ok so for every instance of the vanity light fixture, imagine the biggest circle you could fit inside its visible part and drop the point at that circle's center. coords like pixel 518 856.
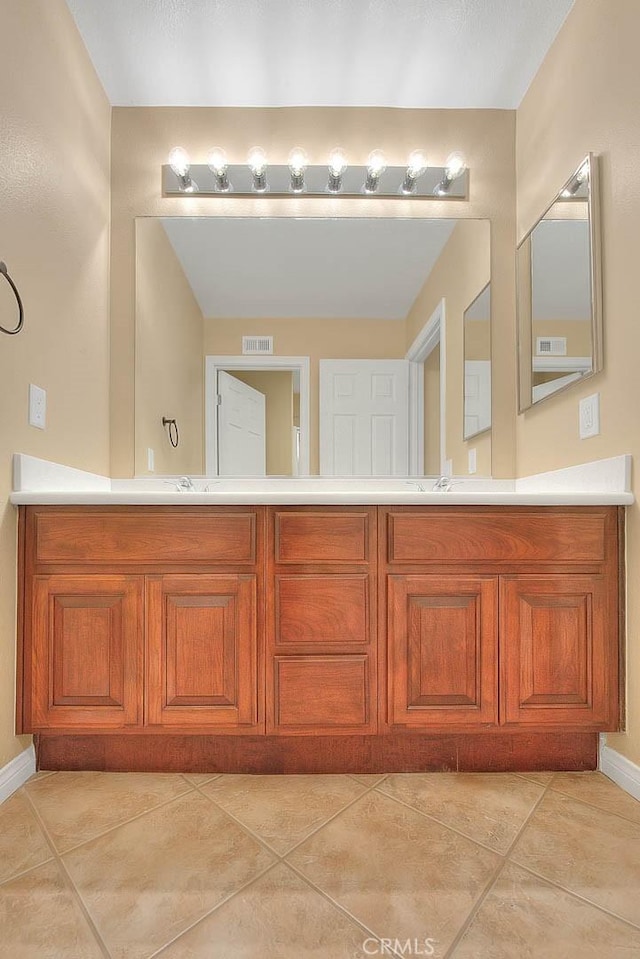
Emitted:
pixel 180 164
pixel 337 166
pixel 580 177
pixel 217 163
pixel 298 163
pixel 257 163
pixel 416 166
pixel 376 165
pixel 373 179
pixel 454 168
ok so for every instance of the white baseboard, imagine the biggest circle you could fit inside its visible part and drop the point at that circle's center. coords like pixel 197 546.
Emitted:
pixel 620 769
pixel 16 772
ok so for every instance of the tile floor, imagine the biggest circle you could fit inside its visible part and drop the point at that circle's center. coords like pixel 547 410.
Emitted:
pixel 462 866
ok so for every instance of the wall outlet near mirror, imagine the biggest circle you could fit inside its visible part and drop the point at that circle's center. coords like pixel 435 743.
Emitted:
pixel 472 460
pixel 590 416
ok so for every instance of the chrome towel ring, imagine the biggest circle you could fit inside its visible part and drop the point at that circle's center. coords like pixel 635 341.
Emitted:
pixel 5 274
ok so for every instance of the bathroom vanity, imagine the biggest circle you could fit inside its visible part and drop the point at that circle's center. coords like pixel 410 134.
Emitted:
pixel 196 634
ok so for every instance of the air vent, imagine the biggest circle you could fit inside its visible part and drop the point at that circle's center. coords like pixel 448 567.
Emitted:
pixel 551 345
pixel 257 344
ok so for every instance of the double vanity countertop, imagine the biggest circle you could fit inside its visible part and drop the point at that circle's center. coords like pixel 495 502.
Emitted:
pixel 604 482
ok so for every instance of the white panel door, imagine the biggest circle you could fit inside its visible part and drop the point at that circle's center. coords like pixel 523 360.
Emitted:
pixel 241 428
pixel 477 396
pixel 364 417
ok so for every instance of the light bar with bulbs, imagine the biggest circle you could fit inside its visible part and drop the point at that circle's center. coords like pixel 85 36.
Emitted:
pixel 337 177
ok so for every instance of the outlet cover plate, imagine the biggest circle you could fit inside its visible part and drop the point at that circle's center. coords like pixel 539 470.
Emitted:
pixel 590 416
pixel 37 407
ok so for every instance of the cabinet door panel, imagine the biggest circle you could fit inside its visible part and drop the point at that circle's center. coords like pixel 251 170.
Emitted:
pixel 442 650
pixel 318 694
pixel 202 651
pixel 87 651
pixel 556 658
pixel 322 610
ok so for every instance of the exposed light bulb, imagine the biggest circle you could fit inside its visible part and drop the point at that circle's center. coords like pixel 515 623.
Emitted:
pixel 416 164
pixel 217 161
pixel 455 166
pixel 298 161
pixel 583 173
pixel 179 161
pixel 376 163
pixel 337 162
pixel 257 161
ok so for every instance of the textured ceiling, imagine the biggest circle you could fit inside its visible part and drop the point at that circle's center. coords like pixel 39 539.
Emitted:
pixel 272 53
pixel 246 267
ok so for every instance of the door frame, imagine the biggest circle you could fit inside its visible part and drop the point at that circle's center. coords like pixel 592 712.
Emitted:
pixel 213 364
pixel 431 334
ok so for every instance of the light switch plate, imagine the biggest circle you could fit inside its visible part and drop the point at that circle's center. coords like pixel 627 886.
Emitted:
pixel 590 416
pixel 472 460
pixel 151 460
pixel 37 407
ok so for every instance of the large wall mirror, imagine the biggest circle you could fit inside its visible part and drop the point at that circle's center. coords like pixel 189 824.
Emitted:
pixel 351 291
pixel 477 365
pixel 560 291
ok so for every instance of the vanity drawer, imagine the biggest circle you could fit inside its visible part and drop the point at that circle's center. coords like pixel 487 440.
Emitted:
pixel 497 535
pixel 323 536
pixel 144 535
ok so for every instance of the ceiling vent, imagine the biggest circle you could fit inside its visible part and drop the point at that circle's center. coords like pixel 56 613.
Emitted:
pixel 257 344
pixel 551 345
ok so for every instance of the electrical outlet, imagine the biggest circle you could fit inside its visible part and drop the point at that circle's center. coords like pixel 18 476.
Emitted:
pixel 472 460
pixel 37 407
pixel 590 416
pixel 151 460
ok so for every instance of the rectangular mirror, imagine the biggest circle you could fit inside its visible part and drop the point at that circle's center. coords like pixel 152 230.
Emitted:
pixel 560 291
pixel 312 290
pixel 477 365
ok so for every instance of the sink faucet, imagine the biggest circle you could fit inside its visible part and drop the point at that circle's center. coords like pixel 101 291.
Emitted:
pixel 182 484
pixel 442 485
pixel 418 486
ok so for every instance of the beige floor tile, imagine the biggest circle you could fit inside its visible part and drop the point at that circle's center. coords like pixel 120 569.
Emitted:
pixel 76 806
pixel 283 810
pixel 41 775
pixel 527 918
pixel 543 778
pixel 279 917
pixel 40 919
pixel 368 779
pixel 488 807
pixel 598 790
pixel 586 850
pixel 22 843
pixel 198 779
pixel 149 880
pixel 401 874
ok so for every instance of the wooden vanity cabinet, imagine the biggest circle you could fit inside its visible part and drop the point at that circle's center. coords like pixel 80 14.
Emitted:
pixel 502 616
pixel 143 620
pixel 322 642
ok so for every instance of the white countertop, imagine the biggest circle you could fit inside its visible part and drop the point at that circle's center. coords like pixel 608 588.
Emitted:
pixel 601 483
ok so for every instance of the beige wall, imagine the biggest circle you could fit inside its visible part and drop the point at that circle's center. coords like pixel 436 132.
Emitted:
pixel 432 465
pixel 142 138
pixel 315 338
pixel 459 275
pixel 54 237
pixel 585 98
pixel 277 386
pixel 169 364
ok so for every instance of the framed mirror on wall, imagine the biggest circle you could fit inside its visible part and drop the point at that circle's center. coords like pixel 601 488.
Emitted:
pixel 477 365
pixel 559 291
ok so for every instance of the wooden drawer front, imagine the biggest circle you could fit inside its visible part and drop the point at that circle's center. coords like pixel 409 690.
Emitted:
pixel 322 537
pixel 558 660
pixel 86 660
pixel 322 693
pixel 443 650
pixel 544 537
pixel 202 650
pixel 144 536
pixel 322 610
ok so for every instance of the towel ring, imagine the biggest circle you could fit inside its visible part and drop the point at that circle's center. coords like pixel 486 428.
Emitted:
pixel 172 430
pixel 5 274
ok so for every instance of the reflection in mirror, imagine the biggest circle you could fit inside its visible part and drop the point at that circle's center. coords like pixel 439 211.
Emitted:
pixel 354 289
pixel 559 292
pixel 477 365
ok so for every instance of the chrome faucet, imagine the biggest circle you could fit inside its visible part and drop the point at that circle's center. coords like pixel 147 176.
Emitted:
pixel 442 485
pixel 418 486
pixel 182 484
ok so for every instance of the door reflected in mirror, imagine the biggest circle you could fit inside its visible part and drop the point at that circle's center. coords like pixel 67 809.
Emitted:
pixel 477 365
pixel 559 292
pixel 321 289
